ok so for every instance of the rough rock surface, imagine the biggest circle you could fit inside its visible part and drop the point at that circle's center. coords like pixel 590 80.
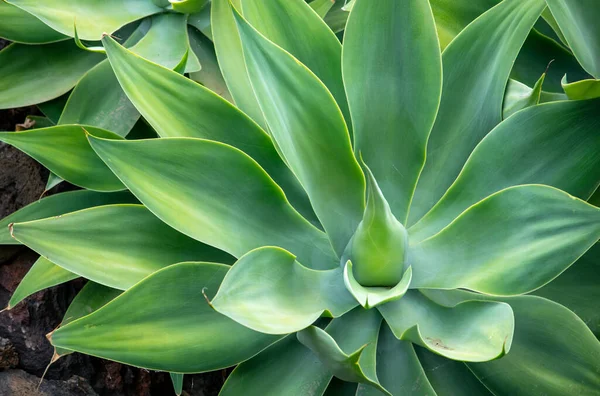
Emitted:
pixel 19 383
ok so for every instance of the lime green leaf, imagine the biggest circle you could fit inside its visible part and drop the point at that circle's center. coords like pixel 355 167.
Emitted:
pixel 553 144
pixel 473 331
pixel 43 274
pixel 183 340
pixel 22 27
pixel 115 245
pixel 210 75
pixel 188 6
pixel 398 368
pixel 578 20
pixel 60 204
pixel 231 59
pixel 286 368
pixel 336 17
pixel 512 242
pixel 321 7
pixel 385 68
pixel 201 21
pixel 28 81
pixel 291 24
pixel 177 380
pixel 66 152
pixel 370 297
pixel 310 132
pixel 519 96
pixel 475 75
pixel 577 289
pixel 267 290
pixel 52 182
pixel 216 194
pixel 93 17
pixel 581 90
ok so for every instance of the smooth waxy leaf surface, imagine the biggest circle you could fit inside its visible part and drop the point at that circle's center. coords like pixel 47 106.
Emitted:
pixel 581 90
pixel 310 132
pixel 321 7
pixel 216 194
pixel 188 6
pixel 93 17
pixel 59 204
pixel 532 233
pixel 115 245
pixel 210 75
pixel 43 72
pixel 370 297
pixel 519 96
pixel 475 75
pixel 394 84
pixel 286 368
pixel 269 291
pixel 66 152
pixel 43 274
pixel 177 380
pixel 22 27
pixel 552 144
pixel 473 331
pixel 183 340
pixel 53 108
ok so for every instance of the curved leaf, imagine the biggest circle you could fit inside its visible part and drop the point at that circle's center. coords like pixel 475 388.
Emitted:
pixel 473 331
pixel 210 75
pixel 321 7
pixel 553 144
pixel 93 17
pixel 115 245
pixel 269 291
pixel 188 6
pixel 370 297
pixel 216 194
pixel 475 74
pixel 394 84
pixel 44 72
pixel 519 96
pixel 580 90
pixel 177 380
pixel 183 341
pixel 22 27
pixel 310 131
pixel 66 152
pixel 512 242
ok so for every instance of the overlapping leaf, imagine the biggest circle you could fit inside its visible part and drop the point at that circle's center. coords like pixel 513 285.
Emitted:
pixel 22 27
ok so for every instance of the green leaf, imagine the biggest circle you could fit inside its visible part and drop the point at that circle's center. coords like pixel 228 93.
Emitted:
pixel 22 27
pixel 310 131
pixel 164 99
pixel 216 194
pixel 581 90
pixel 60 204
pixel 337 387
pixel 210 75
pixel 578 20
pixel 553 144
pixel 286 368
pixel 38 122
pixel 291 24
pixel 398 368
pixel 53 108
pixel 370 297
pixel 474 331
pixel 512 242
pixel 269 291
pixel 475 75
pixel 66 152
pixel 577 289
pixel 26 80
pixel 43 274
pixel 93 17
pixel 188 6
pixel 201 21
pixel 177 380
pixel 114 245
pixel 336 17
pixel 231 59
pixel 321 7
pixel 519 96
pixel 182 341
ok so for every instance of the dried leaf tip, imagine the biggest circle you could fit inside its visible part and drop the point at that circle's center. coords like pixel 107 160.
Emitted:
pixel 206 297
pixel 11 230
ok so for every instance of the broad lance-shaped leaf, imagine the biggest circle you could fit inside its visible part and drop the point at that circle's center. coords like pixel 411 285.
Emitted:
pixel 93 17
pixel 475 75
pixel 22 27
pixel 519 96
pixel 215 194
pixel 66 152
pixel 474 331
pixel 22 71
pixel 581 90
pixel 394 83
pixel 292 24
pixel 210 75
pixel 183 340
pixel 164 99
pixel 578 20
pixel 398 368
pixel 269 291
pixel 310 131
pixel 188 6
pixel 43 274
pixel 286 368
pixel 512 242
pixel 177 380
pixel 348 346
pixel 114 245
pixel 553 144
pixel 321 7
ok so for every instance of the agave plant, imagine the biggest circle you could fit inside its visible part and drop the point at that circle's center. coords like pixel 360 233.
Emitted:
pixel 369 218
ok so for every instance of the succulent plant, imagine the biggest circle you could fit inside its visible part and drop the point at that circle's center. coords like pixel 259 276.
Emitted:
pixel 372 217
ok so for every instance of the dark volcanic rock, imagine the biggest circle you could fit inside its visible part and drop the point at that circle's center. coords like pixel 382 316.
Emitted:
pixel 19 383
